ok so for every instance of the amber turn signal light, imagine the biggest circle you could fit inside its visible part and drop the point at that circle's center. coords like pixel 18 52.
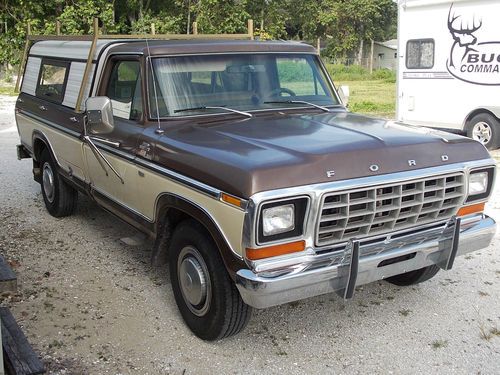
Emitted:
pixel 231 200
pixel 272 251
pixel 472 209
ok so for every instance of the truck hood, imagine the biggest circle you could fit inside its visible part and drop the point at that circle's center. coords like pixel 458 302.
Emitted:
pixel 281 150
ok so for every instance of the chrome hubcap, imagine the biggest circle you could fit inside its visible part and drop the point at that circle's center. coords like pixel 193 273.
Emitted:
pixel 48 182
pixel 194 280
pixel 482 132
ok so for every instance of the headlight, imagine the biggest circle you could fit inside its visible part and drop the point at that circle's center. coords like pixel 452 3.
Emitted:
pixel 281 219
pixel 480 184
pixel 278 219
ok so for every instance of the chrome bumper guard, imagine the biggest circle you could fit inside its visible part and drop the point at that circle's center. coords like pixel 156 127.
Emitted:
pixel 364 261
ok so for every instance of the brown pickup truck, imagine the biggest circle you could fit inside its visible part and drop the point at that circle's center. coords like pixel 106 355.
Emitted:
pixel 240 160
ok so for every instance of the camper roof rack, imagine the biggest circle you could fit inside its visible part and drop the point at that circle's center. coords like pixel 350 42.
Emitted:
pixel 96 36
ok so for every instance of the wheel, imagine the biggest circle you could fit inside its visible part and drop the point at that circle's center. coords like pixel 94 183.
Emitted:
pixel 485 129
pixel 414 277
pixel 60 198
pixel 208 299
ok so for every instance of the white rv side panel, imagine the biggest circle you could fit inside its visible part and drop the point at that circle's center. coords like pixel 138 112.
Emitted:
pixel 30 78
pixel 466 71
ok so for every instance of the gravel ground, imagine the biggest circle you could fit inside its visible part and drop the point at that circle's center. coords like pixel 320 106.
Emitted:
pixel 91 304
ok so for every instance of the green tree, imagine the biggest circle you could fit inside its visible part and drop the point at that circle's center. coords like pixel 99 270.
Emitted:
pixel 353 22
pixel 221 16
pixel 348 24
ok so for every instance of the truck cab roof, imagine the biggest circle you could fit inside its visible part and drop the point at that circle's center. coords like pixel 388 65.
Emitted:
pixel 78 50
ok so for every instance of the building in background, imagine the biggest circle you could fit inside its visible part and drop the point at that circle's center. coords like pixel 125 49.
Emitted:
pixel 385 54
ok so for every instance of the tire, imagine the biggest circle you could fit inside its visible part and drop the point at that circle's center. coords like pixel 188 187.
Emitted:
pixel 485 129
pixel 414 277
pixel 212 308
pixel 60 198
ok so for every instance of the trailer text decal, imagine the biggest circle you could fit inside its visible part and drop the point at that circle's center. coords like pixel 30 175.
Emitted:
pixel 470 61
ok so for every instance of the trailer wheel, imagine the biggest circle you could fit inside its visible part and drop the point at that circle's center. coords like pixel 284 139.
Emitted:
pixel 208 300
pixel 484 128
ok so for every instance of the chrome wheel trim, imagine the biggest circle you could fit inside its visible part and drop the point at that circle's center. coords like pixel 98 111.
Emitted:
pixel 194 280
pixel 48 182
pixel 482 132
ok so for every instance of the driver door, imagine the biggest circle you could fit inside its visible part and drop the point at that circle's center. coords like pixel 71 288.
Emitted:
pixel 121 83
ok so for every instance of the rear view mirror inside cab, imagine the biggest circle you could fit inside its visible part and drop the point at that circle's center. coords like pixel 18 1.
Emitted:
pixel 246 69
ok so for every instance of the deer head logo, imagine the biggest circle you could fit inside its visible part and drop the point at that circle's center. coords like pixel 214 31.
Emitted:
pixel 462 33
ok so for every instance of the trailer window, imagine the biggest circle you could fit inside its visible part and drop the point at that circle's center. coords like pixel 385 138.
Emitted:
pixel 52 80
pixel 420 54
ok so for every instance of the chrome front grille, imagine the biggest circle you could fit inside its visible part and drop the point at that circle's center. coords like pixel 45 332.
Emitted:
pixel 381 209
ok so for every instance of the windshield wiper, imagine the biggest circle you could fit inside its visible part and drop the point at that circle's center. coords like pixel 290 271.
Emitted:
pixel 213 107
pixel 298 102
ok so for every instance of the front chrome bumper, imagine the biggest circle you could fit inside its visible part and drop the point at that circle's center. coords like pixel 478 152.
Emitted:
pixel 365 261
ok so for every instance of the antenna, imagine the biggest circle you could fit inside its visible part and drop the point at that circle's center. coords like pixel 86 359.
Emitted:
pixel 158 130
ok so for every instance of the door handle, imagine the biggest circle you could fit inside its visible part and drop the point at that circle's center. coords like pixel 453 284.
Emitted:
pixel 73 119
pixel 145 146
pixel 42 107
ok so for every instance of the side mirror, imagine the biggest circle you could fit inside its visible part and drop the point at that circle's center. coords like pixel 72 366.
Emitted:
pixel 99 115
pixel 344 94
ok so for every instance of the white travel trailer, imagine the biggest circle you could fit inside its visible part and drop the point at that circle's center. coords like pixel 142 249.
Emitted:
pixel 449 66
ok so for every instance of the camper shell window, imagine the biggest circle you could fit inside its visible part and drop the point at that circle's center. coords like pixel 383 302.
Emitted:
pixel 52 80
pixel 420 54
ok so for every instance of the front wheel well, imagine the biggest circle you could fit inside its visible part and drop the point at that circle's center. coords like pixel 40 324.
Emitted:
pixel 173 210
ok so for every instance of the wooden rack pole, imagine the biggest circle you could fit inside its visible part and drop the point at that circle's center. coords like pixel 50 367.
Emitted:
pixel 195 28
pixel 250 29
pixel 88 66
pixel 23 60
pixel 58 27
pixel 153 29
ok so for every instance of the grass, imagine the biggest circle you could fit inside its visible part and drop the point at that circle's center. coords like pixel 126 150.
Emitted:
pixel 437 344
pixel 488 334
pixel 372 94
pixel 371 97
pixel 7 90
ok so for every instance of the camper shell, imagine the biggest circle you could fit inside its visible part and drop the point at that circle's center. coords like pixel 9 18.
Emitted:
pixel 241 162
pixel 449 70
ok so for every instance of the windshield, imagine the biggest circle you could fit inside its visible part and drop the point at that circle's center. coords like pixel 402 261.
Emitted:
pixel 245 82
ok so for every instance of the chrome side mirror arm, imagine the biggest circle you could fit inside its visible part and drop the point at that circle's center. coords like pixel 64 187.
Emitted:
pixel 97 153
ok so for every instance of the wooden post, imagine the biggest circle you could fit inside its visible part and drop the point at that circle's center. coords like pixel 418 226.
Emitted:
pixel 58 27
pixel 88 66
pixel 189 18
pixel 371 58
pixel 195 28
pixel 318 45
pixel 153 29
pixel 250 29
pixel 23 60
